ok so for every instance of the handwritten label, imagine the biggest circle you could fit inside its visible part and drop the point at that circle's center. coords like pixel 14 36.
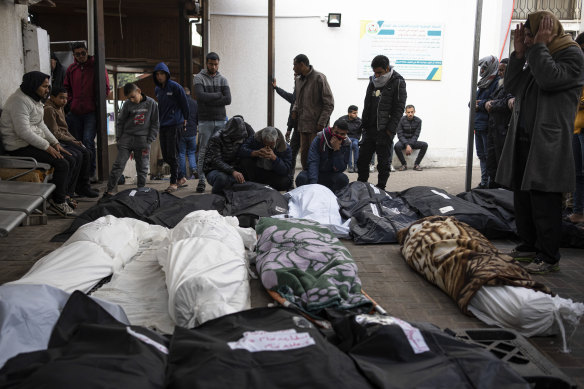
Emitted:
pixel 272 341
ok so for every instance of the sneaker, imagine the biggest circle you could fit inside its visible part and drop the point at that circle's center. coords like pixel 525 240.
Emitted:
pixel 62 209
pixel 403 168
pixel 201 186
pixel 350 170
pixel 418 168
pixel 391 168
pixel 522 256
pixel 539 266
pixel 371 168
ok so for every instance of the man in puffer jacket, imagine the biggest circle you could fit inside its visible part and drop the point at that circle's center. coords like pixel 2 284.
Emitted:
pixel 385 101
pixel 221 158
pixel 328 157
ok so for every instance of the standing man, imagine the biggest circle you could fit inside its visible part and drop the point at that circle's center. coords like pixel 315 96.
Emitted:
pixel 291 125
pixel 313 106
pixel 545 74
pixel 213 94
pixel 354 123
pixel 385 100
pixel 81 96
pixel 408 132
pixel 173 109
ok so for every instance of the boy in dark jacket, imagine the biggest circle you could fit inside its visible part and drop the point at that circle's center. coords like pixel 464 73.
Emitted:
pixel 354 123
pixel 136 128
pixel 327 158
pixel 408 132
pixel 174 112
pixel 222 155
pixel 385 100
pixel 266 158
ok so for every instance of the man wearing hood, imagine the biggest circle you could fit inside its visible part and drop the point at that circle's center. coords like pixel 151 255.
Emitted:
pixel 173 109
pixel 385 101
pixel 81 96
pixel 545 74
pixel 487 86
pixel 328 158
pixel 267 159
pixel 25 134
pixel 222 156
pixel 212 94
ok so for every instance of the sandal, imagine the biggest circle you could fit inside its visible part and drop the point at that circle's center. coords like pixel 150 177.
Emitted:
pixel 71 202
pixel 171 188
pixel 182 183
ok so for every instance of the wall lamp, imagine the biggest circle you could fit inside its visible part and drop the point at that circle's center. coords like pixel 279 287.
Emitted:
pixel 334 20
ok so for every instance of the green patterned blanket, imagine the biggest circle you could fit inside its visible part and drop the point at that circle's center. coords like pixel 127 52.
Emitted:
pixel 308 266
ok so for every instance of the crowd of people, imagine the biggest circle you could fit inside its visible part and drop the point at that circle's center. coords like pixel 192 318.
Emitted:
pixel 526 137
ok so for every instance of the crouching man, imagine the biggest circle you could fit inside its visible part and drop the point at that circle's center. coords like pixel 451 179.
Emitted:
pixel 327 158
pixel 222 155
pixel 266 159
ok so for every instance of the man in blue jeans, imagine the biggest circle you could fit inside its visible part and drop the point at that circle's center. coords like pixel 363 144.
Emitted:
pixel 187 142
pixel 355 129
pixel 213 94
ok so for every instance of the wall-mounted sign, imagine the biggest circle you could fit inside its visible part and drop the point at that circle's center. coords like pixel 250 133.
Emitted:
pixel 415 49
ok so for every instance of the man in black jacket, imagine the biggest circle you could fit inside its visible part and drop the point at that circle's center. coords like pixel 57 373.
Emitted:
pixel 408 132
pixel 385 100
pixel 221 158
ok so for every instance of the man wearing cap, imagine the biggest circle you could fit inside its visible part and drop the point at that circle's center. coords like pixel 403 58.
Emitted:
pixel 546 74
pixel 328 157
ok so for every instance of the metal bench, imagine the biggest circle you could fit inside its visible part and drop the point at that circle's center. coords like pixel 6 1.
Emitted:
pixel 27 188
pixel 21 202
pixel 10 220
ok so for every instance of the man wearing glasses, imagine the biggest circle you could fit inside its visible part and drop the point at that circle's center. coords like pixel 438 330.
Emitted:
pixel 81 97
pixel 328 157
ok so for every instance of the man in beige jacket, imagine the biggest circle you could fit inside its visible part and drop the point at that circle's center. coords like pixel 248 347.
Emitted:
pixel 313 106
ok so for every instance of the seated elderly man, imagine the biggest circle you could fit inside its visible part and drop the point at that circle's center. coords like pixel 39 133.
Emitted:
pixel 221 157
pixel 327 158
pixel 25 134
pixel 266 158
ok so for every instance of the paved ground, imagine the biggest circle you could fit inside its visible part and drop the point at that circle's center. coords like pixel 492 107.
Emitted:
pixel 385 275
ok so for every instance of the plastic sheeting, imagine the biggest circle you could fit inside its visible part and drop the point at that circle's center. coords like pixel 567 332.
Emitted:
pixel 205 266
pixel 26 323
pixel 317 203
pixel 529 312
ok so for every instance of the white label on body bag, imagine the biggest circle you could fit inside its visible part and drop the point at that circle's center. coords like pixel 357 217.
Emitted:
pixel 255 341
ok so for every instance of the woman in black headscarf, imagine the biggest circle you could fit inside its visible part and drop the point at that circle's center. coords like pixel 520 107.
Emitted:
pixel 25 134
pixel 57 72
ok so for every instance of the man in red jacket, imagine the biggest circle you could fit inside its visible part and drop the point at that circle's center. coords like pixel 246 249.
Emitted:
pixel 81 92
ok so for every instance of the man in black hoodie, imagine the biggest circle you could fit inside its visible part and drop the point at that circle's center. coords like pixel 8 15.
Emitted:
pixel 385 101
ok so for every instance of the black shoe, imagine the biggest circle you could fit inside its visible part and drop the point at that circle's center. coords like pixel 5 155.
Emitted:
pixel 481 186
pixel 88 192
pixel 201 187
pixel 106 196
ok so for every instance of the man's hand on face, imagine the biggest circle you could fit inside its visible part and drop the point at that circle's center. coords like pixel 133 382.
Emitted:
pixel 238 177
pixel 544 33
pixel 269 153
pixel 519 40
pixel 336 143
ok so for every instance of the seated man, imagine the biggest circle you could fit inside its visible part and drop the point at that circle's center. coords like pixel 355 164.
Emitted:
pixel 266 158
pixel 408 131
pixel 355 130
pixel 327 158
pixel 80 158
pixel 221 155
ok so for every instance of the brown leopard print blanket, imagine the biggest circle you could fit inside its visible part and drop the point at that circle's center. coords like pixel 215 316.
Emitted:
pixel 458 259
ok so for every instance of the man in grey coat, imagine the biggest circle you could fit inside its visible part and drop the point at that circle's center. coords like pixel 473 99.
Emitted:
pixel 546 74
pixel 313 106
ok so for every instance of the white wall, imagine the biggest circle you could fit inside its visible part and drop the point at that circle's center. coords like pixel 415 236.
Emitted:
pixel 12 63
pixel 239 35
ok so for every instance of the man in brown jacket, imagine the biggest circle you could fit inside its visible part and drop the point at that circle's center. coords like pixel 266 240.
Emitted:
pixel 79 156
pixel 313 106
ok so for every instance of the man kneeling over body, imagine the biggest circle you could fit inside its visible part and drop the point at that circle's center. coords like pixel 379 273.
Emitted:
pixel 221 163
pixel 266 159
pixel 328 157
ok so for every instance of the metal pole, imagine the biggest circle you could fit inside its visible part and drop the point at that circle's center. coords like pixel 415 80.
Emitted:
pixel 473 95
pixel 100 75
pixel 181 44
pixel 271 60
pixel 90 27
pixel 189 80
pixel 206 34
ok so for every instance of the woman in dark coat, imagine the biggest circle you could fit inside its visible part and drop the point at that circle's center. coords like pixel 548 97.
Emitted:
pixel 546 74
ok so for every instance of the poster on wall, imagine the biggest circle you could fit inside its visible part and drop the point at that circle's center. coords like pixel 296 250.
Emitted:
pixel 415 49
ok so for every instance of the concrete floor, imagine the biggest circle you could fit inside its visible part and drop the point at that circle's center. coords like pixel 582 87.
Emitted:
pixel 383 272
